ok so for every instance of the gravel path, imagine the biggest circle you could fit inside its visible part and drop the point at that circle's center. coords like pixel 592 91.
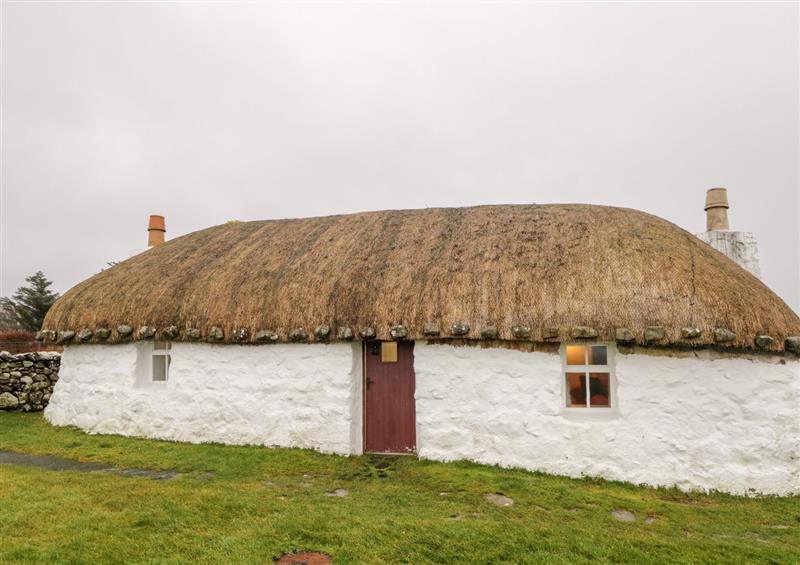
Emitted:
pixel 59 464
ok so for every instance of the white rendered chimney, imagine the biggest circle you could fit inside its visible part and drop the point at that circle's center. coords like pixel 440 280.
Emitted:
pixel 741 246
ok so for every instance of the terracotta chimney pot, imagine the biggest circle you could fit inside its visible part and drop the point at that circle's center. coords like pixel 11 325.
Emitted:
pixel 155 230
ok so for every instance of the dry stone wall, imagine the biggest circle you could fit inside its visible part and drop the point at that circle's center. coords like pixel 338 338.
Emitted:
pixel 27 380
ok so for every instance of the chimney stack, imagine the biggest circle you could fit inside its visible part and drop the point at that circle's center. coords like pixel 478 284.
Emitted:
pixel 741 246
pixel 716 209
pixel 155 230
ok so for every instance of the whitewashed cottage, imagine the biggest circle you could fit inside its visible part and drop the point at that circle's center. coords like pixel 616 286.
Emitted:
pixel 571 339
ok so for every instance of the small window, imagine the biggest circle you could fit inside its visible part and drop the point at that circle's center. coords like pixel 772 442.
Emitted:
pixel 161 361
pixel 587 376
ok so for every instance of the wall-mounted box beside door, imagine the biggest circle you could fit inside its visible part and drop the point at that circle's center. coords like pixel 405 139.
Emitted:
pixel 389 352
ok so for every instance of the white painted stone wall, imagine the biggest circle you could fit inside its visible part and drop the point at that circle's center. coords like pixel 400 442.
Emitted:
pixel 291 395
pixel 741 246
pixel 697 422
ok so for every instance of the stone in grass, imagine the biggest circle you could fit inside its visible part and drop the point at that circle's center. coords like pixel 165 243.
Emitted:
pixel 498 499
pixel 623 515
pixel 338 493
pixel 304 558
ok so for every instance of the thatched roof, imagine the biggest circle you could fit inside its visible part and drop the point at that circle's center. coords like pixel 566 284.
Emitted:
pixel 533 273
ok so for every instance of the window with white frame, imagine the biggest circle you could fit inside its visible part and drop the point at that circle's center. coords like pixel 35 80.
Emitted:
pixel 588 376
pixel 160 361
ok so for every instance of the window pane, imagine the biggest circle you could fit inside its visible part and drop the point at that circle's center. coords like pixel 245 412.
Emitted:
pixel 600 388
pixel 598 355
pixel 576 355
pixel 159 368
pixel 576 390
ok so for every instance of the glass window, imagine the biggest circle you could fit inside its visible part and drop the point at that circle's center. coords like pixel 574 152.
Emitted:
pixel 161 361
pixel 599 389
pixel 576 355
pixel 588 376
pixel 598 355
pixel 576 390
pixel 160 367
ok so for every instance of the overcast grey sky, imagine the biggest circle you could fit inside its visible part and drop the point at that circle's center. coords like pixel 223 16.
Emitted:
pixel 208 112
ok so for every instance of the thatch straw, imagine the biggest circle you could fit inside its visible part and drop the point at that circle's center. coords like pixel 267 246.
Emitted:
pixel 548 269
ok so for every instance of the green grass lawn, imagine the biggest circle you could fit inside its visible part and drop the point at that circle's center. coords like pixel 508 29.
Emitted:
pixel 249 504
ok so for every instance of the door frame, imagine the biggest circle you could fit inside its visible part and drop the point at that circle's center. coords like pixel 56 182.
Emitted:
pixel 364 345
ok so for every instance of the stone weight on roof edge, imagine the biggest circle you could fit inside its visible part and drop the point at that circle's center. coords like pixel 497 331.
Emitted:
pixel 655 336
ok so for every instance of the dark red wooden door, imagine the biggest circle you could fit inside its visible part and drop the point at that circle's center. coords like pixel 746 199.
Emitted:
pixel 390 411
